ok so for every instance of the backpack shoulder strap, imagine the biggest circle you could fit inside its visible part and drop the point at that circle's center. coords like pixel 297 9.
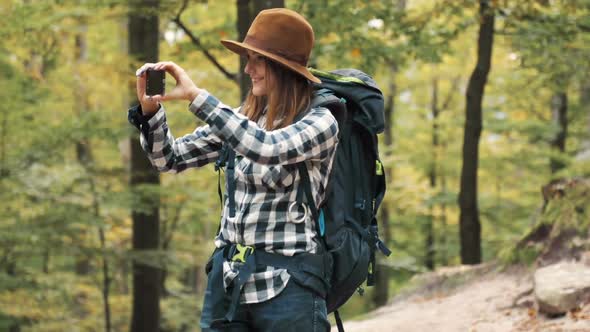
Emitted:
pixel 226 159
pixel 324 97
pixel 327 98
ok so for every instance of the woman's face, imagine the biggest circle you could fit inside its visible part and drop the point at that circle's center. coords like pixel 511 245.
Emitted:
pixel 256 69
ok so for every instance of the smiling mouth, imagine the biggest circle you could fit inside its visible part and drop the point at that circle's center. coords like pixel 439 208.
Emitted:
pixel 256 80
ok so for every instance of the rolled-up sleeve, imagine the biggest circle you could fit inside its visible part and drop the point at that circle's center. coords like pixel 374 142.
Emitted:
pixel 169 154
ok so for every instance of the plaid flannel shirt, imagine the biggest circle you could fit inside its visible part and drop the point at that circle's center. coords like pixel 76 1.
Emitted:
pixel 266 179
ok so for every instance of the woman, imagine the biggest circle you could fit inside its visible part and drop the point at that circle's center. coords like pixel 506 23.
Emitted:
pixel 253 283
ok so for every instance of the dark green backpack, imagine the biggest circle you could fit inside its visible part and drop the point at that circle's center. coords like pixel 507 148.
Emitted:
pixel 347 219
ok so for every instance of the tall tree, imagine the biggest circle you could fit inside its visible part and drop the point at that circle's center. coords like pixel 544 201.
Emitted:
pixel 470 227
pixel 143 46
pixel 434 177
pixel 83 152
pixel 559 118
pixel 585 104
pixel 86 160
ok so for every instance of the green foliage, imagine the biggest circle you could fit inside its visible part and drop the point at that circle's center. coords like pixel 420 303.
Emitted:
pixel 551 36
pixel 369 34
pixel 54 103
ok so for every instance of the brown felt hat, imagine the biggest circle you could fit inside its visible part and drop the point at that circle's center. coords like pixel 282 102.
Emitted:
pixel 281 35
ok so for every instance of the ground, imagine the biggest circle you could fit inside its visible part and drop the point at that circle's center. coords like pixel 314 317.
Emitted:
pixel 481 299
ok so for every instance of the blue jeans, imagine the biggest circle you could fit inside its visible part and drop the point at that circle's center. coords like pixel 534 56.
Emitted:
pixel 295 309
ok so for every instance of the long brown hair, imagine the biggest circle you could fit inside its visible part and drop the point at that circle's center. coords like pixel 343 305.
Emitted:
pixel 290 94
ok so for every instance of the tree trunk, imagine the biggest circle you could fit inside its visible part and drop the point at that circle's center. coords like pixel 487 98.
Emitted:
pixel 470 228
pixel 429 227
pixel 260 5
pixel 443 238
pixel 585 105
pixel 143 46
pixel 247 11
pixel 11 271
pixel 3 143
pixel 46 260
pixel 83 154
pixel 559 118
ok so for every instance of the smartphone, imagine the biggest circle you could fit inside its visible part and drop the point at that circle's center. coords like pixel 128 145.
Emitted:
pixel 155 82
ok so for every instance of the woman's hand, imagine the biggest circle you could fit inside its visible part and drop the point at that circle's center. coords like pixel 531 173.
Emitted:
pixel 185 88
pixel 148 104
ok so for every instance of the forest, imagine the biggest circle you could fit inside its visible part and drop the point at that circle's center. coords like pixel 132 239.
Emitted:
pixel 486 102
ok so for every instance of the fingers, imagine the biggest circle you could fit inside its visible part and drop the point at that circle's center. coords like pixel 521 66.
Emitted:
pixel 156 98
pixel 174 94
pixel 140 87
pixel 168 66
pixel 141 71
pixel 141 82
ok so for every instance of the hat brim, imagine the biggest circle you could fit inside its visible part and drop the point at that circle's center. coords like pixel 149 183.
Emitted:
pixel 241 48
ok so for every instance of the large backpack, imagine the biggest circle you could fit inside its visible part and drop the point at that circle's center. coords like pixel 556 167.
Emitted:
pixel 347 219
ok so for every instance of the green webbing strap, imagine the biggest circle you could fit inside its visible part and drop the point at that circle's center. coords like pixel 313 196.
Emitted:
pixel 380 189
pixel 380 185
pixel 371 272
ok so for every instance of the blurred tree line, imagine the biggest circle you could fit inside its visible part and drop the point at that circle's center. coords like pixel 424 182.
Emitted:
pixel 486 101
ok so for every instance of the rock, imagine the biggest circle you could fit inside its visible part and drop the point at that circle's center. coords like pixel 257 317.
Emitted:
pixel 562 287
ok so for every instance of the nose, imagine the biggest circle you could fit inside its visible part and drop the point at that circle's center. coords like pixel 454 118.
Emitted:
pixel 247 68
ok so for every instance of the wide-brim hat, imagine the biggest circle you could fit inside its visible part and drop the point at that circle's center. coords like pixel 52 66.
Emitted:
pixel 281 35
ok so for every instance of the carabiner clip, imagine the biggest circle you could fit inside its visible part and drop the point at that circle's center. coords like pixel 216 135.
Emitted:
pixel 300 220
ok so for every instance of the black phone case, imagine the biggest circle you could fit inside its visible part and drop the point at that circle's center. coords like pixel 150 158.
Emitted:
pixel 155 82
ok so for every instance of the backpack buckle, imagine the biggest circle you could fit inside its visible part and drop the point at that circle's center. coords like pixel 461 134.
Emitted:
pixel 222 158
pixel 242 253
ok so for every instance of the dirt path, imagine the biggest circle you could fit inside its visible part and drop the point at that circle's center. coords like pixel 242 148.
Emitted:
pixel 484 304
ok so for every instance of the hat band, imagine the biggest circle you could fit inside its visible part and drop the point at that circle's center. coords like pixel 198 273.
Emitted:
pixel 253 41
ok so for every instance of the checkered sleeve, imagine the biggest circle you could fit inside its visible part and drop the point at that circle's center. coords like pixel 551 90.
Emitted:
pixel 312 138
pixel 169 154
